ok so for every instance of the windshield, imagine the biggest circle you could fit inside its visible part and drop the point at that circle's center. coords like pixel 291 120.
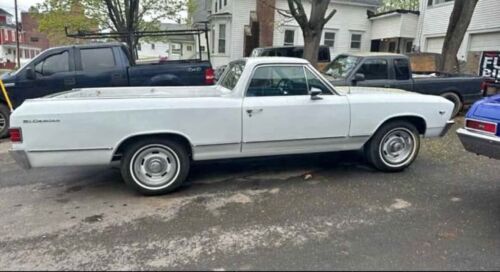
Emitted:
pixel 340 67
pixel 232 75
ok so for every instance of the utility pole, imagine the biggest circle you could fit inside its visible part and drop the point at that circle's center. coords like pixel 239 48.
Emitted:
pixel 17 38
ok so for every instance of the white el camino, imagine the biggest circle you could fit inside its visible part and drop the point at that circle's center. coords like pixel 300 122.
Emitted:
pixel 260 107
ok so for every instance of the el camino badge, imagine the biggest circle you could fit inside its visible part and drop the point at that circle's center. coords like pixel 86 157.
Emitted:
pixel 39 121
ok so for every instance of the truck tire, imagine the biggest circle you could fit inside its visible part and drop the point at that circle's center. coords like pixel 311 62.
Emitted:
pixel 155 166
pixel 453 97
pixel 393 147
pixel 4 121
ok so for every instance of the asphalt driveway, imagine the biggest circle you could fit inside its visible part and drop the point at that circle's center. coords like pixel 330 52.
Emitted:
pixel 328 211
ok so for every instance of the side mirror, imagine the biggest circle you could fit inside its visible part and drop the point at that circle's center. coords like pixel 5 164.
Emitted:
pixel 357 78
pixel 30 74
pixel 315 92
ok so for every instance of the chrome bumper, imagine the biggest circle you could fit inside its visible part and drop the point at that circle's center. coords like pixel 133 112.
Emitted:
pixel 21 158
pixel 480 144
pixel 447 128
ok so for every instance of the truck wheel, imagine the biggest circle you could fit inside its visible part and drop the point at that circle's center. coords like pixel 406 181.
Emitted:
pixel 453 97
pixel 394 146
pixel 155 166
pixel 4 121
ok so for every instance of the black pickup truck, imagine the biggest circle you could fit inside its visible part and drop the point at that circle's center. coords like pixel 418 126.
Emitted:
pixel 394 71
pixel 97 65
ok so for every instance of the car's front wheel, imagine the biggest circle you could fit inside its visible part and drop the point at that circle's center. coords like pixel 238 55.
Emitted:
pixel 155 166
pixel 394 146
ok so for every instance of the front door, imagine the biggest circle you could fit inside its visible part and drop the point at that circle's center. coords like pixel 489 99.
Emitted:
pixel 376 72
pixel 54 74
pixel 280 116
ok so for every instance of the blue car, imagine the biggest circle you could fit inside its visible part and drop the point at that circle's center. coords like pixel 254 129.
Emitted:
pixel 481 134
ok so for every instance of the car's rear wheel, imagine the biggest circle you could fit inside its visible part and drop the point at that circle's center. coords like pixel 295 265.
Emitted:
pixel 394 146
pixel 453 97
pixel 4 121
pixel 155 166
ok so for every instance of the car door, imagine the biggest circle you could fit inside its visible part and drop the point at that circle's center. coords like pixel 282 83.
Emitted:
pixel 53 74
pixel 376 72
pixel 280 116
pixel 98 67
pixel 401 74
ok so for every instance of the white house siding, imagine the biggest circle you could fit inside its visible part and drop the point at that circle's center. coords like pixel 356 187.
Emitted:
pixel 434 23
pixel 348 19
pixel 235 15
pixel 386 27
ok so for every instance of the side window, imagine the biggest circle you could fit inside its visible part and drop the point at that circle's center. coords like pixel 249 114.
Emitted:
pixel 374 69
pixel 97 59
pixel 401 69
pixel 233 75
pixel 314 82
pixel 53 64
pixel 278 81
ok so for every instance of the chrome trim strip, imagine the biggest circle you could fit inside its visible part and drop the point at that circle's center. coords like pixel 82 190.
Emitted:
pixel 204 145
pixel 70 150
pixel 296 140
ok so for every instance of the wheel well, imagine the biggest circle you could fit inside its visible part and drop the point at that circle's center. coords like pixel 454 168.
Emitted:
pixel 418 122
pixel 172 136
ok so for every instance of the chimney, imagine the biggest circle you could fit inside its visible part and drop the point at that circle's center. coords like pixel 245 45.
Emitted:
pixel 265 17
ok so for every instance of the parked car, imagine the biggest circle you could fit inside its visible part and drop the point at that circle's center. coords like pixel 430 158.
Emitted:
pixel 394 71
pixel 324 57
pixel 98 65
pixel 480 134
pixel 260 107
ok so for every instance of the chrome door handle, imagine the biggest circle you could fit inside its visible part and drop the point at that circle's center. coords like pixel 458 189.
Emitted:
pixel 251 112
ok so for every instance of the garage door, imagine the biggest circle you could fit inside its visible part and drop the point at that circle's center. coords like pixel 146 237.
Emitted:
pixel 435 45
pixel 485 41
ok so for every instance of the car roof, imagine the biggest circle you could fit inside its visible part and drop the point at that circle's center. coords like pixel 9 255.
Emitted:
pixel 91 45
pixel 274 60
pixel 287 47
pixel 373 54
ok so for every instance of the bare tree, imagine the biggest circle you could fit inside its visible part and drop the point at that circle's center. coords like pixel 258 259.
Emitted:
pixel 312 27
pixel 459 23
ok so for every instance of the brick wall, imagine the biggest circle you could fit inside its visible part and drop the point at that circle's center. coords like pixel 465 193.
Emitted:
pixel 33 37
pixel 265 17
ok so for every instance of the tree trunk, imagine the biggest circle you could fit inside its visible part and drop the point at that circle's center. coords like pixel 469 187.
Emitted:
pixel 312 39
pixel 459 23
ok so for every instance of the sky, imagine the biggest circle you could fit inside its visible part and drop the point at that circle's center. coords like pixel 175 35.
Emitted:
pixel 23 5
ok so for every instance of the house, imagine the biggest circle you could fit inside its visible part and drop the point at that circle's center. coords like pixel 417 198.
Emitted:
pixel 394 31
pixel 8 44
pixel 483 33
pixel 238 26
pixel 169 47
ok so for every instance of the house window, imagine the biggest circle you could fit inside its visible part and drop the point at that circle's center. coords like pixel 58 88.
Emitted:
pixel 189 48
pixel 220 4
pixel 392 47
pixel 289 37
pixel 222 39
pixel 409 47
pixel 139 47
pixel 437 2
pixel 225 3
pixel 9 51
pixel 213 39
pixel 32 53
pixel 215 6
pixel 329 39
pixel 356 41
pixel 152 46
pixel 26 54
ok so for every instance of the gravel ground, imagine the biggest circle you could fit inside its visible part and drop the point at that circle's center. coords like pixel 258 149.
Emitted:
pixel 329 211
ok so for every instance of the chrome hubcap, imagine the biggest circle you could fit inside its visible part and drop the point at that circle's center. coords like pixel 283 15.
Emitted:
pixel 397 146
pixel 155 166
